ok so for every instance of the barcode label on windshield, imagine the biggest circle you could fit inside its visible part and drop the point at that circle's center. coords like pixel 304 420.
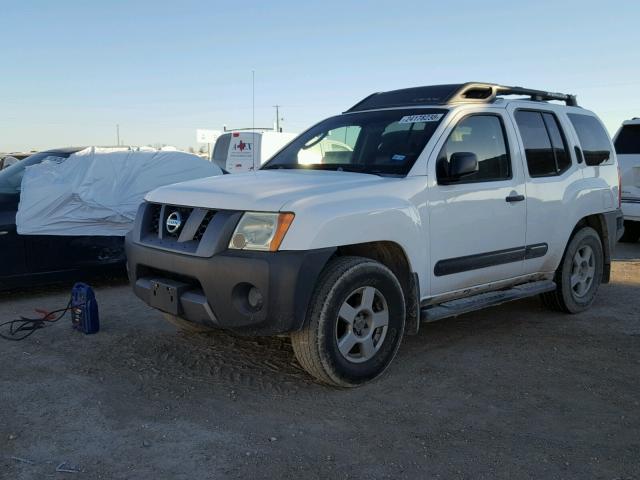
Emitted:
pixel 430 117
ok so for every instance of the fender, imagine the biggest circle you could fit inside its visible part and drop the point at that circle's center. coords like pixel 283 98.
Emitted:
pixel 366 217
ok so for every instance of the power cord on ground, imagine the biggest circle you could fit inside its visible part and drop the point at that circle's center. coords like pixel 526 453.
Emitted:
pixel 23 327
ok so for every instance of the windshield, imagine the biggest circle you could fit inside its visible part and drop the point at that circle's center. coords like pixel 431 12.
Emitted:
pixel 11 177
pixel 628 140
pixel 381 142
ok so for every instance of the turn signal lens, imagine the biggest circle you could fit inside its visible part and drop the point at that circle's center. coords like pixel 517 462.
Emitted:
pixel 284 222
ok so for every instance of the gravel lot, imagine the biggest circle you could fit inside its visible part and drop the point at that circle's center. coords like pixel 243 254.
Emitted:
pixel 510 392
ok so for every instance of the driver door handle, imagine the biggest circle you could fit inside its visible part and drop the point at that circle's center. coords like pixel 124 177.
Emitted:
pixel 514 197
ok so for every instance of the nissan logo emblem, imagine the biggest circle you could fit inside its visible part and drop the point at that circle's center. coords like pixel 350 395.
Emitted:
pixel 174 221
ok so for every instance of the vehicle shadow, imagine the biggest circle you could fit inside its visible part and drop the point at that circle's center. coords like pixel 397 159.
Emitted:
pixel 627 251
pixel 61 287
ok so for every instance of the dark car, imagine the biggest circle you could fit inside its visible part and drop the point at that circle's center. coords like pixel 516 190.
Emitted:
pixel 8 159
pixel 35 259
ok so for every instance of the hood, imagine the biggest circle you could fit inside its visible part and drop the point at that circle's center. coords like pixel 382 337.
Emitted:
pixel 264 190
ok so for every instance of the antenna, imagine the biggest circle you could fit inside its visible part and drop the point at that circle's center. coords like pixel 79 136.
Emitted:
pixel 118 134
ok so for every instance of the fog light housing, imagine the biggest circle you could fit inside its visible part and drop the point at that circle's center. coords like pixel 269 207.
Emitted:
pixel 254 298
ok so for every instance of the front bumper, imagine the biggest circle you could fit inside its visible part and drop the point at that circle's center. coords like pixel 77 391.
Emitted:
pixel 631 209
pixel 213 290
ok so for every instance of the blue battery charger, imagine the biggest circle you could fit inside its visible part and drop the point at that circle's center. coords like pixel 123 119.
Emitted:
pixel 84 309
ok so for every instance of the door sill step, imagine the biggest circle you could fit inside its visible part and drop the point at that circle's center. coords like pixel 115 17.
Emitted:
pixel 457 307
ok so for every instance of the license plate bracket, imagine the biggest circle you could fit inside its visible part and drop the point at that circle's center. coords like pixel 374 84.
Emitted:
pixel 165 295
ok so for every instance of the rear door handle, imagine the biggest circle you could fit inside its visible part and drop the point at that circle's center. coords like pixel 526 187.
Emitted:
pixel 514 198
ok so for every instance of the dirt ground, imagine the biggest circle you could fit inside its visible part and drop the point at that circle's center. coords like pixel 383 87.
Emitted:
pixel 511 392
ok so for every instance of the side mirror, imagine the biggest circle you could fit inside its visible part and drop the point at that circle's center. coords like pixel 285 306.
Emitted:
pixel 462 164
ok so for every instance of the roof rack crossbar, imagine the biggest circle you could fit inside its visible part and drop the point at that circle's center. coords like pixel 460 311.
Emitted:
pixel 539 95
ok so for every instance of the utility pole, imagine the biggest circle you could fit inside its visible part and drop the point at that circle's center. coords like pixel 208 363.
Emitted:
pixel 118 135
pixel 277 107
pixel 253 118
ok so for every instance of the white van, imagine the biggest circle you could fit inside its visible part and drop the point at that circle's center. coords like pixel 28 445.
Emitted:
pixel 627 142
pixel 246 150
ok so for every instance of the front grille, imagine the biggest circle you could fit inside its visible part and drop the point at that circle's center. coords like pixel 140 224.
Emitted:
pixel 203 225
pixel 155 218
pixel 175 227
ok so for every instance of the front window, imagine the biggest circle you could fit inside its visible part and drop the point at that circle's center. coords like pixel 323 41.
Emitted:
pixel 381 142
pixel 482 136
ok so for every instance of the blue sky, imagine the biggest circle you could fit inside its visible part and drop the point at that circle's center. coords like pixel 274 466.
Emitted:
pixel 72 70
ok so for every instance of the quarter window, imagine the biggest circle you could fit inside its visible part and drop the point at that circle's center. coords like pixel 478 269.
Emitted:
pixel 594 140
pixel 544 144
pixel 482 135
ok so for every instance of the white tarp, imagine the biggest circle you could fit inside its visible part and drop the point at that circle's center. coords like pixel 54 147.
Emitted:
pixel 96 192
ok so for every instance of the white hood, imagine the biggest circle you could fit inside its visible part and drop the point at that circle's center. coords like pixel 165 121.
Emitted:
pixel 264 190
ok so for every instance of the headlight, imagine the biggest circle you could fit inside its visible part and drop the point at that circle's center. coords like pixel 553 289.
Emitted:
pixel 261 231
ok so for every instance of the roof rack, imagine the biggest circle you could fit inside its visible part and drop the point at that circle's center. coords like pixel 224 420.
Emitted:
pixel 472 92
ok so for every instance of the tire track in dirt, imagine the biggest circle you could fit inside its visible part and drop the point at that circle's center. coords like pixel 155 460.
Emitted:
pixel 260 365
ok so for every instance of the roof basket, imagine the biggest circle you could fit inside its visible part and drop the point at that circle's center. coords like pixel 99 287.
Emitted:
pixel 456 93
pixel 487 92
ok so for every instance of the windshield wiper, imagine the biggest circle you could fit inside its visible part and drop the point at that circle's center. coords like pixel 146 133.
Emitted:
pixel 280 167
pixel 337 167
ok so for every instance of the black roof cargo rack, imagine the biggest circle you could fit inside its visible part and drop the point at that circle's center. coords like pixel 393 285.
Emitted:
pixel 471 92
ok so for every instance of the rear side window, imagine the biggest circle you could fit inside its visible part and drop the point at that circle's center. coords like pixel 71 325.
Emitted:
pixel 544 143
pixel 482 135
pixel 594 141
pixel 628 140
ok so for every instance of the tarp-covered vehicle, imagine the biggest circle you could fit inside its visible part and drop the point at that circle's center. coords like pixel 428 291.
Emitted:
pixel 64 212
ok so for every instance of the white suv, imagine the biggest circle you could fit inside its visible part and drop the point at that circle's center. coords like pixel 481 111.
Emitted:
pixel 444 199
pixel 627 143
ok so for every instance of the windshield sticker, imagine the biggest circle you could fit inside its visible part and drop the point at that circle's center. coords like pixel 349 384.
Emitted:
pixel 430 117
pixel 398 158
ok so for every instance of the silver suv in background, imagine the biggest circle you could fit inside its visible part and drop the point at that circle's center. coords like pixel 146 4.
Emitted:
pixel 627 143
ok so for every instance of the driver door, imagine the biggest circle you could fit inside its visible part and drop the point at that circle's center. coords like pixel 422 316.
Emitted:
pixel 476 222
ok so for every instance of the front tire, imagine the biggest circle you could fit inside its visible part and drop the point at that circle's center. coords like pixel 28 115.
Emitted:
pixel 354 324
pixel 579 274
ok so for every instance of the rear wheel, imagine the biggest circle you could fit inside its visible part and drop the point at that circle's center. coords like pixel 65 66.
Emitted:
pixel 185 325
pixel 579 274
pixel 631 232
pixel 354 323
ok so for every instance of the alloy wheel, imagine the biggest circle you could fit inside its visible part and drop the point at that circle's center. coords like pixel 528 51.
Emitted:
pixel 362 324
pixel 583 271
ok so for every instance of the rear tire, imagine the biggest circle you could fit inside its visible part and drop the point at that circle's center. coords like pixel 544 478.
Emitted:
pixel 579 274
pixel 354 323
pixel 185 325
pixel 631 232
